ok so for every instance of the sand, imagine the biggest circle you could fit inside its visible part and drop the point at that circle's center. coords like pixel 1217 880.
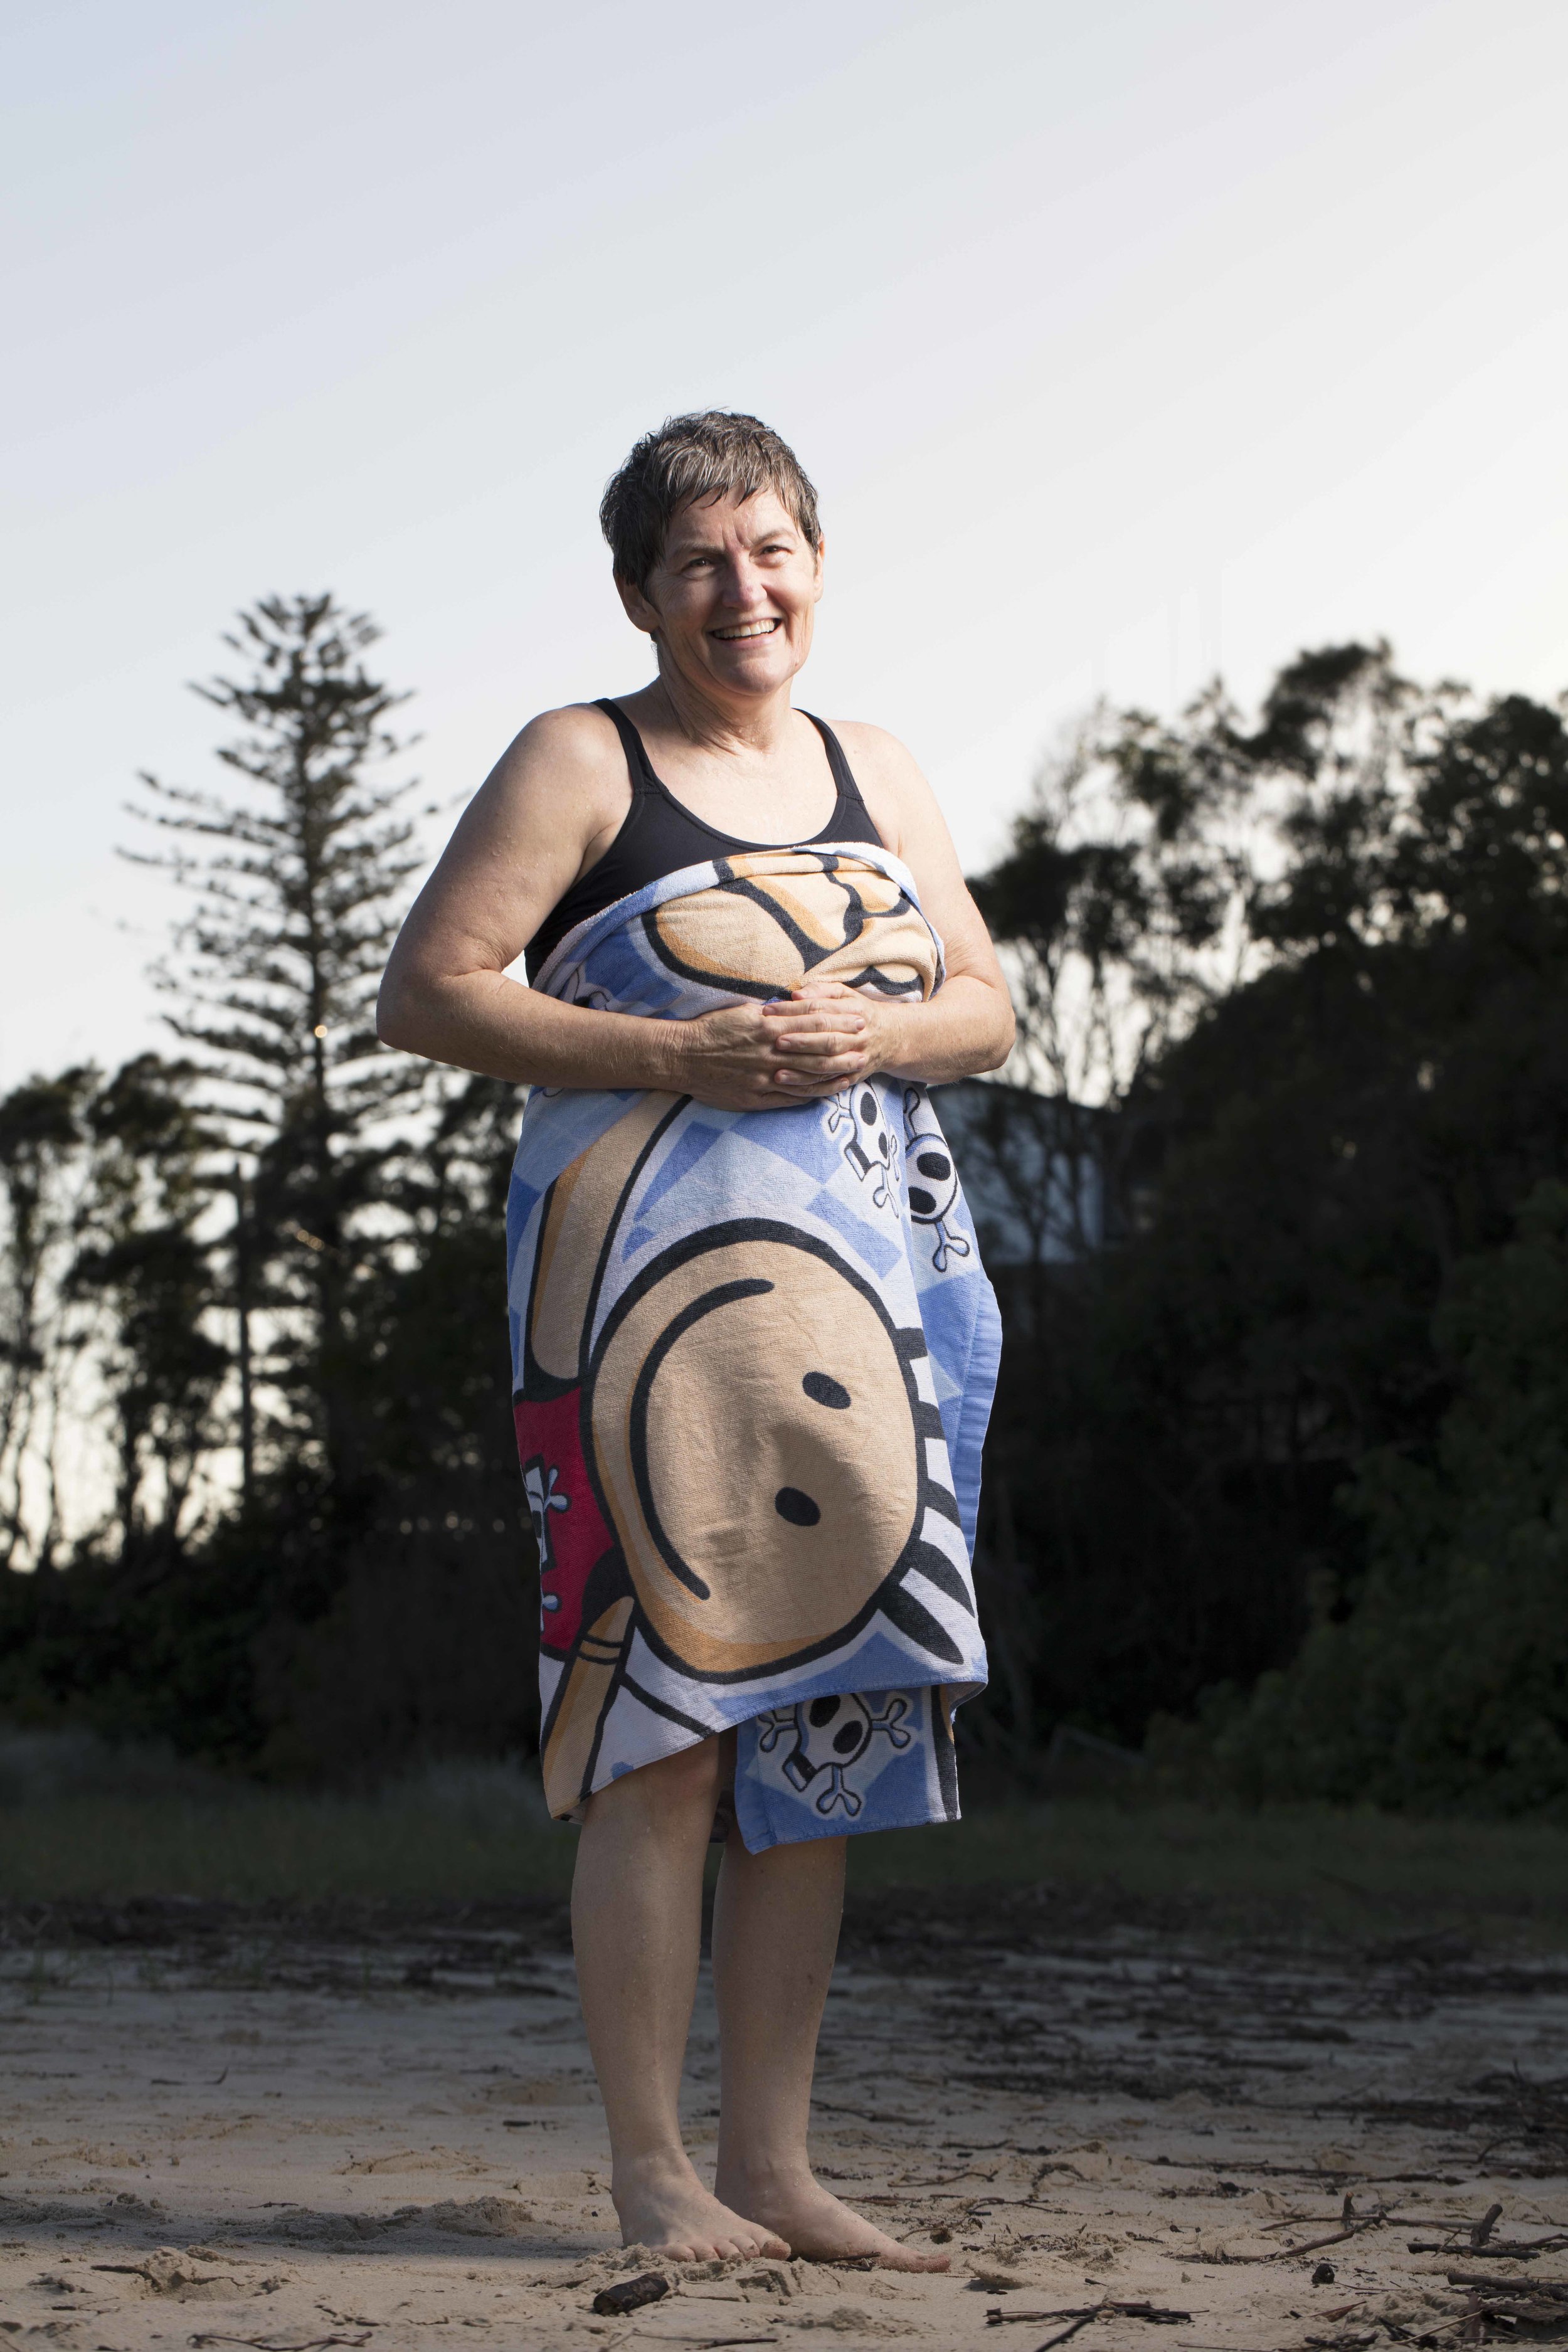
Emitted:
pixel 222 2127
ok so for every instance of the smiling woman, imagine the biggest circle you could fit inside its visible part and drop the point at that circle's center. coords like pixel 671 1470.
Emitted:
pixel 753 1362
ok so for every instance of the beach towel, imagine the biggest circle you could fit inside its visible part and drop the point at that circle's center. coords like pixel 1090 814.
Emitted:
pixel 754 1358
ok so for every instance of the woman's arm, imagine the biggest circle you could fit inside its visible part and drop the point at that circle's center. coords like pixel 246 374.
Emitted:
pixel 968 1024
pixel 552 804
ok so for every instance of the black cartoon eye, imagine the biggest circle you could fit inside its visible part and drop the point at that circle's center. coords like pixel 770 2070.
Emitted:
pixel 868 1108
pixel 845 1742
pixel 821 1711
pixel 798 1509
pixel 823 1388
pixel 934 1165
pixel 922 1204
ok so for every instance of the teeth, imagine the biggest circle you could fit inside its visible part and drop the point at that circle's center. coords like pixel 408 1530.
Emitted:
pixel 751 629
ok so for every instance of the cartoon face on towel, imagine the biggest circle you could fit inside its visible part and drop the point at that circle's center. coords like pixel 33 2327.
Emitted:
pixel 772 921
pixel 732 1462
pixel 755 1437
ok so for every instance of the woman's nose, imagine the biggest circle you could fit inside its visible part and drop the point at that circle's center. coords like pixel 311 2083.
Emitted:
pixel 743 583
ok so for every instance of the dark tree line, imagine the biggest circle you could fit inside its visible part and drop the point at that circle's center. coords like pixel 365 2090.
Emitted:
pixel 1303 1400
pixel 1278 1468
pixel 271 1268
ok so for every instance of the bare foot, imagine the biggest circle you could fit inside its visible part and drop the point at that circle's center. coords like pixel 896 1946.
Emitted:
pixel 823 2230
pixel 663 2206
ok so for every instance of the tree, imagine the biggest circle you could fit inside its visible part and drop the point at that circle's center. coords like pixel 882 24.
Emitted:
pixel 1141 885
pixel 296 889
pixel 41 1141
pixel 140 1256
pixel 1305 1153
pixel 1448 1683
pixel 371 1600
pixel 108 1307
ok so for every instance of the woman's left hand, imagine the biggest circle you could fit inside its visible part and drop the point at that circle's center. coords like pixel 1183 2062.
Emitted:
pixel 879 1046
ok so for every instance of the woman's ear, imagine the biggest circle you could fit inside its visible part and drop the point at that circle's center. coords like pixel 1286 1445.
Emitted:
pixel 639 609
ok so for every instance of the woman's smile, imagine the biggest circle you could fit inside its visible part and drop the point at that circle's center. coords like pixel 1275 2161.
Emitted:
pixel 735 631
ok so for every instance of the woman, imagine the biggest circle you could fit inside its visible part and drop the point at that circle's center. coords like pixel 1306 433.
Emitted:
pixel 754 1345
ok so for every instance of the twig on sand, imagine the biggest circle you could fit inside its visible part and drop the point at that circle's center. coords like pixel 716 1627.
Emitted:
pixel 713 2343
pixel 1540 2290
pixel 1275 2253
pixel 1081 2316
pixel 272 2344
pixel 1352 2224
pixel 1379 2220
pixel 1482 2243
pixel 1517 2249
pixel 1312 2245
pixel 1474 2317
pixel 1065 2332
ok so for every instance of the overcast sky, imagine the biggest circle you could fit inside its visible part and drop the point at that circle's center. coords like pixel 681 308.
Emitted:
pixel 1124 341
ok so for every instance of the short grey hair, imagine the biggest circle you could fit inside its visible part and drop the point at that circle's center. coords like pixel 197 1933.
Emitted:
pixel 714 453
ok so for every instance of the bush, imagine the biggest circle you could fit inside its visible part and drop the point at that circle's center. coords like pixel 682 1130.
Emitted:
pixel 1447 1686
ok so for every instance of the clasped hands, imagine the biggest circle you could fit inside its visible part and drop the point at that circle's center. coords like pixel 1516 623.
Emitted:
pixel 816 1041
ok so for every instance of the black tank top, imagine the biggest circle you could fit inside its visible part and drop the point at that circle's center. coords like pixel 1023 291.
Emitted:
pixel 658 836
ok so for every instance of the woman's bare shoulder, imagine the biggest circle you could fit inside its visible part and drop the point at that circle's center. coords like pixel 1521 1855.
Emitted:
pixel 892 782
pixel 564 771
pixel 560 785
pixel 875 748
pixel 577 738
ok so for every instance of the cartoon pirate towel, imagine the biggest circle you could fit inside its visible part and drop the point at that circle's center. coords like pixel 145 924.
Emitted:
pixel 754 1355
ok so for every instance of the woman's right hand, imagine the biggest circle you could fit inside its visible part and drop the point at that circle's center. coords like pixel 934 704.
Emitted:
pixel 732 1060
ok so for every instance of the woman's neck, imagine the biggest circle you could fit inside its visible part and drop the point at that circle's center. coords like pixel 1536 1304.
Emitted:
pixel 747 724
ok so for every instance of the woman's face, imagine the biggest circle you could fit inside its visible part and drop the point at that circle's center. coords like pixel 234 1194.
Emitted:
pixel 732 599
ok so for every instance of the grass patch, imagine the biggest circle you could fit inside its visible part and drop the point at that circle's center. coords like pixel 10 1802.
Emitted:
pixel 478 1833
pixel 462 1833
pixel 1343 1872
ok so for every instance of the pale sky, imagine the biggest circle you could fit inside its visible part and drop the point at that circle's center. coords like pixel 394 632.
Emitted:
pixel 1124 340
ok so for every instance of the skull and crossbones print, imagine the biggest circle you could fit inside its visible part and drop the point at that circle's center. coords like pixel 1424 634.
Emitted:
pixel 870 1146
pixel 828 1737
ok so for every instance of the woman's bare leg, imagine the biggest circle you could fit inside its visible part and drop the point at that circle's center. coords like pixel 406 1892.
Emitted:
pixel 776 1931
pixel 636 1923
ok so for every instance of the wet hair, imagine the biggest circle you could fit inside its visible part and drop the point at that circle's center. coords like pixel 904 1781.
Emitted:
pixel 716 453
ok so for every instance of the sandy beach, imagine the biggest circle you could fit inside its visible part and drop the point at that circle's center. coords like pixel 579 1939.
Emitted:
pixel 377 2128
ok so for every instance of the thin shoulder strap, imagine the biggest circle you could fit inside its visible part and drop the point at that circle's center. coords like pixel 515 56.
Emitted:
pixel 637 762
pixel 843 775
